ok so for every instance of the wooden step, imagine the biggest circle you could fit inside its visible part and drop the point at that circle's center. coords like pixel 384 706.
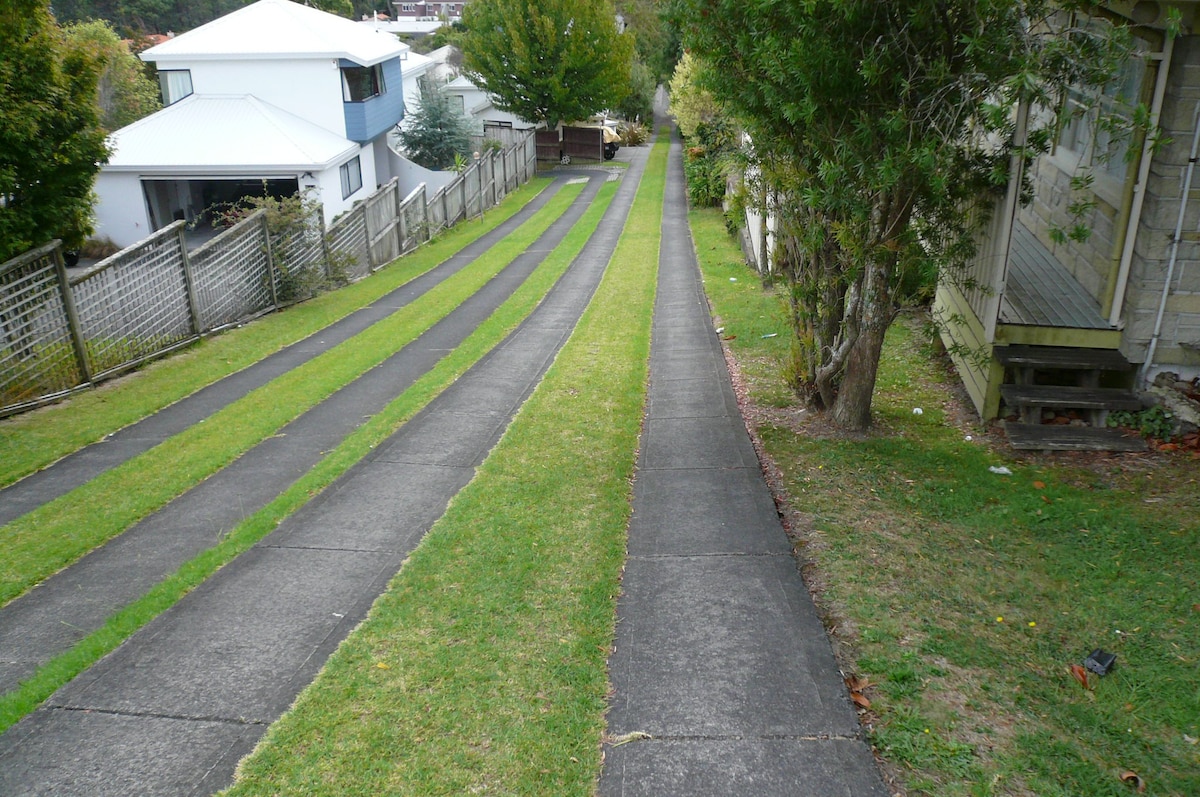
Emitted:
pixel 1055 437
pixel 1067 358
pixel 1068 397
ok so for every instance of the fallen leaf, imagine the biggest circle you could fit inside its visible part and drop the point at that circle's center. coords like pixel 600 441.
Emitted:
pixel 1133 779
pixel 1039 485
pixel 857 683
pixel 860 700
pixel 383 666
pixel 1047 500
pixel 1080 674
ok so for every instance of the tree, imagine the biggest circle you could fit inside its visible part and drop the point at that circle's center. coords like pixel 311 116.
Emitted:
pixel 547 60
pixel 877 128
pixel 691 104
pixel 51 141
pixel 125 92
pixel 435 131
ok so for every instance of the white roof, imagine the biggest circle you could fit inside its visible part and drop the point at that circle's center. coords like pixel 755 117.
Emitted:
pixel 225 135
pixel 271 29
pixel 415 64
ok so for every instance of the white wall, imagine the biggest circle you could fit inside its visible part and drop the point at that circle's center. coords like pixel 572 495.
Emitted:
pixel 121 208
pixel 308 88
pixel 328 185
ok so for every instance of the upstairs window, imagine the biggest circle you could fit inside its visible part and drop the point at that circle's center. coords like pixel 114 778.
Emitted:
pixel 361 83
pixel 175 85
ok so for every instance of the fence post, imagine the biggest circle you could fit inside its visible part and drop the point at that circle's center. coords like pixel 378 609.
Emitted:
pixel 463 180
pixel 325 252
pixel 445 208
pixel 401 227
pixel 188 282
pixel 367 234
pixel 402 222
pixel 266 233
pixel 64 287
pixel 428 228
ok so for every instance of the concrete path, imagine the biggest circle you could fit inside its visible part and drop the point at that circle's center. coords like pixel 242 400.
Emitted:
pixel 720 656
pixel 173 709
pixel 76 601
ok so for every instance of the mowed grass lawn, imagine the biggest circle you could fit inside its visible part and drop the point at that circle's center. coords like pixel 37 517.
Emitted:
pixel 963 596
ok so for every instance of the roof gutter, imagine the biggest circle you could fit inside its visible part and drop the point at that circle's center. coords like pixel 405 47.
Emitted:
pixel 1163 60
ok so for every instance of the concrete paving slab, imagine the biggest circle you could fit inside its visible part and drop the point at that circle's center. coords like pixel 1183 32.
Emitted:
pixel 113 755
pixel 63 609
pixel 742 767
pixel 702 512
pixel 382 507
pixel 709 442
pixel 447 439
pixel 230 649
pixel 47 484
pixel 724 646
pixel 696 397
pixel 684 365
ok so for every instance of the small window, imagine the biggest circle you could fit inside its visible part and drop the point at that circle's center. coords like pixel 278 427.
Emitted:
pixel 361 83
pixel 351 176
pixel 409 8
pixel 175 85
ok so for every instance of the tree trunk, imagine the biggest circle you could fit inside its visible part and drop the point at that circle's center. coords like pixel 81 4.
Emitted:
pixel 852 408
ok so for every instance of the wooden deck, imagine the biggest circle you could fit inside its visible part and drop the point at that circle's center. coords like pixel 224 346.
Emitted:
pixel 1041 292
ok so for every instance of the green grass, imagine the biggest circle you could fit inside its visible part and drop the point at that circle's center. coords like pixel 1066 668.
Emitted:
pixel 55 673
pixel 483 665
pixel 33 440
pixel 965 595
pixel 50 537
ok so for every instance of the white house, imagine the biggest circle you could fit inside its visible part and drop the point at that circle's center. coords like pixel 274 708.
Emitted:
pixel 275 94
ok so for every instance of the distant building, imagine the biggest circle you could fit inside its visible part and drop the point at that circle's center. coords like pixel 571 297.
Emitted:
pixel 274 97
pixel 428 11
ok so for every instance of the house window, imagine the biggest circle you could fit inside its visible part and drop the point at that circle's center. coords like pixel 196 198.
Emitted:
pixel 175 84
pixel 1097 129
pixel 351 172
pixel 408 8
pixel 361 83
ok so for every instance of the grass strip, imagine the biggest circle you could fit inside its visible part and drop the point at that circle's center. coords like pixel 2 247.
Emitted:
pixel 33 440
pixel 57 533
pixel 965 595
pixel 483 667
pixel 121 625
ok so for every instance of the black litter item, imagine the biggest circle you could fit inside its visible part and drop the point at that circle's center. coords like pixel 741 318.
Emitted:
pixel 1100 661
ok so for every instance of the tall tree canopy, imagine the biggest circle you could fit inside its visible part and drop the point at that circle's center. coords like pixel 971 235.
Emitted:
pixel 876 125
pixel 51 141
pixel 547 60
pixel 125 92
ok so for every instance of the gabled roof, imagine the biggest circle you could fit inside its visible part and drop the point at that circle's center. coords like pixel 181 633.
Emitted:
pixel 271 29
pixel 225 135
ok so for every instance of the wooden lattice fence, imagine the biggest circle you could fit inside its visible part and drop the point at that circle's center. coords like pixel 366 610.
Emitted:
pixel 59 333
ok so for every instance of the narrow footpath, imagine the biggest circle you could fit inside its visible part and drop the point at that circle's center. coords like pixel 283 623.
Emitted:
pixel 724 682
